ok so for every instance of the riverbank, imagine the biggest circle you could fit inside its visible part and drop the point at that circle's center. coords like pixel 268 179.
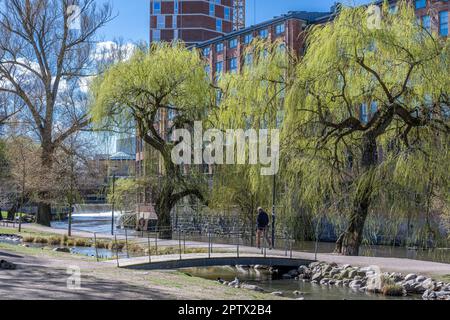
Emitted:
pixel 436 270
pixel 43 275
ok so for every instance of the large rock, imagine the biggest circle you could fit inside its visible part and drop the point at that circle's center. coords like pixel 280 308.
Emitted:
pixel 317 276
pixel 421 278
pixel 251 287
pixel 335 271
pixel 429 284
pixel 260 267
pixel 303 270
pixel 410 276
pixel 277 293
pixel 352 273
pixel 64 250
pixel 326 268
pixel 413 287
pixel 356 284
pixel 7 265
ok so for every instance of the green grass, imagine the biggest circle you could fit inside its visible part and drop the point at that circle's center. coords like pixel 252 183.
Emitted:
pixel 174 280
pixel 5 214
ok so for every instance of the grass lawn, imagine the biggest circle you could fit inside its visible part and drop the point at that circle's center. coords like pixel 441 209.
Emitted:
pixel 171 284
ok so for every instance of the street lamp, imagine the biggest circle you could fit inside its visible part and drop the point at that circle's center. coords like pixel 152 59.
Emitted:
pixel 113 202
pixel 273 209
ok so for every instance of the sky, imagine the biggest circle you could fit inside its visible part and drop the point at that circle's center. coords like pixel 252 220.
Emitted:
pixel 132 16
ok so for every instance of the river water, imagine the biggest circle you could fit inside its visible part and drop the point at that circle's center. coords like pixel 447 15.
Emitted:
pixel 264 280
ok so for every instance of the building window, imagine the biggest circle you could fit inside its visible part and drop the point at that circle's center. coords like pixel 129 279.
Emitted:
pixel 156 7
pixel 160 22
pixel 227 13
pixel 212 9
pixel 443 23
pixel 219 25
pixel 393 9
pixel 233 43
pixel 426 23
pixel 279 28
pixel 175 7
pixel 363 114
pixel 156 35
pixel 206 51
pixel 219 47
pixel 218 1
pixel 219 67
pixel 248 38
pixel 248 59
pixel 264 33
pixel 421 4
pixel 233 65
pixel 174 22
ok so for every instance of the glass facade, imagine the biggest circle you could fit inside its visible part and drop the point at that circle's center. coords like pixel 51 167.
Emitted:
pixel 443 23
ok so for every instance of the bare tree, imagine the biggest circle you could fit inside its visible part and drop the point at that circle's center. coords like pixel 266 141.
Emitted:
pixel 46 63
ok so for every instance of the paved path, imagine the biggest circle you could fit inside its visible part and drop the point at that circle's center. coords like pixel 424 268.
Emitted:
pixel 386 264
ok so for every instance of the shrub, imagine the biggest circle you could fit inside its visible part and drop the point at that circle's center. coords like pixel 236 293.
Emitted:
pixel 80 242
pixel 54 241
pixel 28 239
pixel 392 290
pixel 41 240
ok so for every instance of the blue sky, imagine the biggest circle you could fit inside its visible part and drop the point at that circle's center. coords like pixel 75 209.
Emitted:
pixel 132 19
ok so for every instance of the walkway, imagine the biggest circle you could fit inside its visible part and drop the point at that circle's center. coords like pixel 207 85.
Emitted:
pixel 230 251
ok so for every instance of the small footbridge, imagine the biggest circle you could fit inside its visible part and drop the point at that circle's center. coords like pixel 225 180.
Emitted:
pixel 207 260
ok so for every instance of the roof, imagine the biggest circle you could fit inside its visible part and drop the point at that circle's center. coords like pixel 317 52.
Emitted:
pixel 122 156
pixel 308 17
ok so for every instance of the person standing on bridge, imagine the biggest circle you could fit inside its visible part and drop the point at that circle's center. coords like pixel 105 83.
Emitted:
pixel 262 225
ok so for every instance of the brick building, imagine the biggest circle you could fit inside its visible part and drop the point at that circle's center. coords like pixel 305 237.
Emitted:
pixel 192 21
pixel 225 53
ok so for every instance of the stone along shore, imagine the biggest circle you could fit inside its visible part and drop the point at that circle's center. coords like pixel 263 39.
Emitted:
pixel 362 279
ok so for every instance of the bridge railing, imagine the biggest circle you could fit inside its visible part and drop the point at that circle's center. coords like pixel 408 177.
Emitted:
pixel 213 241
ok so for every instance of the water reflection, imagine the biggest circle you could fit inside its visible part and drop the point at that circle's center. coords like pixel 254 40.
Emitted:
pixel 264 280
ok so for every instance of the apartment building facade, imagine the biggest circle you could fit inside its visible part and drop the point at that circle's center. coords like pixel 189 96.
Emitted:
pixel 191 21
pixel 227 53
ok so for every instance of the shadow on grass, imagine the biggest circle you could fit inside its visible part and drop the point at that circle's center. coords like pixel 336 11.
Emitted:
pixel 43 283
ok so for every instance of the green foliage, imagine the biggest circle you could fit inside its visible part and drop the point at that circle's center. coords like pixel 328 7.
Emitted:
pixel 253 99
pixel 156 92
pixel 168 75
pixel 404 70
pixel 125 193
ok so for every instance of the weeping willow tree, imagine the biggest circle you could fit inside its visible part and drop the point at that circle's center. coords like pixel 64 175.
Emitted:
pixel 367 119
pixel 250 99
pixel 160 90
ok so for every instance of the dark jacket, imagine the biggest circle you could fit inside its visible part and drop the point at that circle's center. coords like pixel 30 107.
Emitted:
pixel 262 220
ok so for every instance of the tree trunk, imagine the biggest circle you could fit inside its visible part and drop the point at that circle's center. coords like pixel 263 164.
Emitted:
pixel 44 214
pixel 163 209
pixel 349 242
pixel 12 211
pixel 164 221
